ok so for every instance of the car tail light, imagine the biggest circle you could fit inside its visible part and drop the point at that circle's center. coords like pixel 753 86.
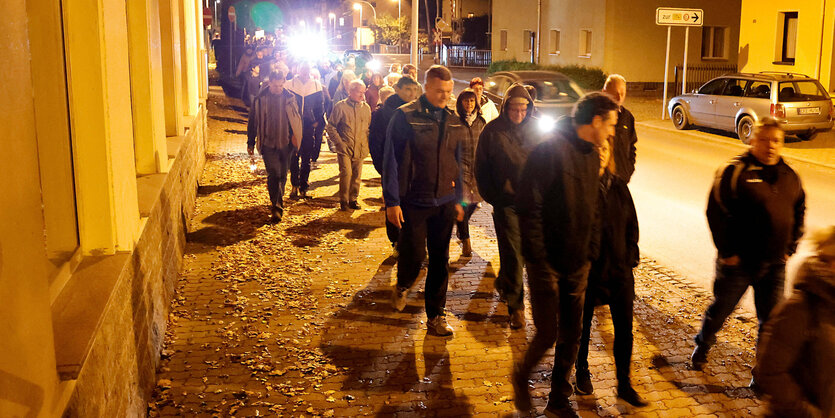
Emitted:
pixel 778 111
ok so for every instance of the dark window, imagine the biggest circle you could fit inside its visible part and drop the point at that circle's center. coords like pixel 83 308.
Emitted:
pixel 713 87
pixel 735 87
pixel 759 90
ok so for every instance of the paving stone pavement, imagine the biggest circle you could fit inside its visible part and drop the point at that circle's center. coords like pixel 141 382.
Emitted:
pixel 294 319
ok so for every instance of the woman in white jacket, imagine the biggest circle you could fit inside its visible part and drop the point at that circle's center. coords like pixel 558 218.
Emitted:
pixel 488 108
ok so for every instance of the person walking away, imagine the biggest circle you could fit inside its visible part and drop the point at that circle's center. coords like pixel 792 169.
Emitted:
pixel 611 281
pixel 422 191
pixel 470 114
pixel 797 346
pixel 755 212
pixel 625 135
pixel 503 149
pixel 405 90
pixel 274 129
pixel 348 131
pixel 311 100
pixel 488 108
pixel 372 94
pixel 557 204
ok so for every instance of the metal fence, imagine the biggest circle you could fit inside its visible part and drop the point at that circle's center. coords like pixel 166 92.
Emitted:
pixel 465 56
pixel 700 74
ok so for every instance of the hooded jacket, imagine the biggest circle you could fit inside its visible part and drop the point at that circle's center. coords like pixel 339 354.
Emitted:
pixel 797 348
pixel 469 144
pixel 268 128
pixel 558 199
pixel 503 148
pixel 377 133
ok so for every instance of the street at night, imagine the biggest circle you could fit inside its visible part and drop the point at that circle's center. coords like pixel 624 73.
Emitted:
pixel 405 208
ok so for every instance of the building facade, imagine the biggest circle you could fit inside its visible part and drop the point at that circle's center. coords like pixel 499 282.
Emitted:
pixel 104 124
pixel 794 37
pixel 616 36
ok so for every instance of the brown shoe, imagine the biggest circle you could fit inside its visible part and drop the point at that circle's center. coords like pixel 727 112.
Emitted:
pixel 439 326
pixel 466 248
pixel 517 319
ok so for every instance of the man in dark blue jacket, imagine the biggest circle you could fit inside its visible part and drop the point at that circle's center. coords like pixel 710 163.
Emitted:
pixel 422 190
pixel 406 89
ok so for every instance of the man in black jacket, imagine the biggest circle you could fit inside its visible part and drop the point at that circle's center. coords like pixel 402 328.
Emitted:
pixel 625 136
pixel 556 202
pixel 422 189
pixel 755 212
pixel 310 98
pixel 406 90
pixel 503 148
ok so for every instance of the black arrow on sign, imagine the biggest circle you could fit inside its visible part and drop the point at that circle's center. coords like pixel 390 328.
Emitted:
pixel 695 17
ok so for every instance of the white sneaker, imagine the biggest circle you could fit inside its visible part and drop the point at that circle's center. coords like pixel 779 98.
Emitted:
pixel 398 298
pixel 438 326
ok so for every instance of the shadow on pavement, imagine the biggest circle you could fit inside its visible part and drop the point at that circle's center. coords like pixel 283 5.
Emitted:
pixel 229 227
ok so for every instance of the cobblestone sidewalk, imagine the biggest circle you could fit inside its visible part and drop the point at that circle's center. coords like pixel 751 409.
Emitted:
pixel 294 319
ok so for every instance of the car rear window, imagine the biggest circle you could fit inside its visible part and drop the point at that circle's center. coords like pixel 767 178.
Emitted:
pixel 801 91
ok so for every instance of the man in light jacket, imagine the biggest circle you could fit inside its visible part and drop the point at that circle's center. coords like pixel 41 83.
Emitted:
pixel 348 131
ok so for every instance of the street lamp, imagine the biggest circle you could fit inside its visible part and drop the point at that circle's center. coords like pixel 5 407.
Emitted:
pixel 319 21
pixel 358 6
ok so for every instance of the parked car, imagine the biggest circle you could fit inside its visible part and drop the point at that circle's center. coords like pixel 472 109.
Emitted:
pixel 736 102
pixel 555 92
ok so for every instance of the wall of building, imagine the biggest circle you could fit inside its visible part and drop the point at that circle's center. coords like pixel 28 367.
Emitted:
pixel 515 17
pixel 625 38
pixel 760 43
pixel 89 179
pixel 638 45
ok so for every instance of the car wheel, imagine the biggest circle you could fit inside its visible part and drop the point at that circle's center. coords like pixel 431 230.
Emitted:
pixel 745 129
pixel 807 136
pixel 680 118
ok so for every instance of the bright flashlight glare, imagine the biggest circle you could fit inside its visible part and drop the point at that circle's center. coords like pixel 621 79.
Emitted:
pixel 374 65
pixel 308 46
pixel 546 123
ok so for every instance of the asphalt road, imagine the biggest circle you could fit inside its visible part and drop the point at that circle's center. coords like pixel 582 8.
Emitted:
pixel 674 173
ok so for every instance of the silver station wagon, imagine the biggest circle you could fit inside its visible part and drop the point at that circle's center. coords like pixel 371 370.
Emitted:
pixel 736 102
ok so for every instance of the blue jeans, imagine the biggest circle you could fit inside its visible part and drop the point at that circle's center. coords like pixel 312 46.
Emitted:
pixel 767 278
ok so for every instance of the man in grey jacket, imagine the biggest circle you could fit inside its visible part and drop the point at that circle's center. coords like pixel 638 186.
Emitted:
pixel 348 130
pixel 275 129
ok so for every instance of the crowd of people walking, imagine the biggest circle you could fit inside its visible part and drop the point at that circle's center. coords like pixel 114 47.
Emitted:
pixel 562 212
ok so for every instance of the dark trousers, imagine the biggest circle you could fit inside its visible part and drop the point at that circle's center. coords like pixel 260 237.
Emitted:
pixel 731 282
pixel 276 162
pixel 571 296
pixel 542 281
pixel 393 232
pixel 318 133
pixel 300 165
pixel 426 227
pixel 620 307
pixel 509 280
pixel 463 227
